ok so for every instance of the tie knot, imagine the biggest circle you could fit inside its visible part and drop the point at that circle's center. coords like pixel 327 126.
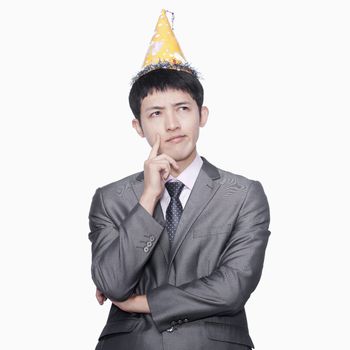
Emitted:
pixel 174 188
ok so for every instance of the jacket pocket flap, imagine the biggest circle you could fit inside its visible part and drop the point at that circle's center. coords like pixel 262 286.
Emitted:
pixel 211 230
pixel 120 326
pixel 227 332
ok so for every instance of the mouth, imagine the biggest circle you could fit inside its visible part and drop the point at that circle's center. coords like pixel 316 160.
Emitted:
pixel 176 139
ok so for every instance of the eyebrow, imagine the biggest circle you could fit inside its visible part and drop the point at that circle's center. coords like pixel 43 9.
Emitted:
pixel 174 105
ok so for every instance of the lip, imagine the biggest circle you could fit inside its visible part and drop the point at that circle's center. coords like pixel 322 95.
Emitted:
pixel 176 139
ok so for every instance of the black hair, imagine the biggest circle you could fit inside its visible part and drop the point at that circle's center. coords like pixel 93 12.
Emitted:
pixel 161 80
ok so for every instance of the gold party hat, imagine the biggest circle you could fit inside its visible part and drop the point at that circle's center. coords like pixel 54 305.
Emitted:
pixel 163 46
pixel 164 50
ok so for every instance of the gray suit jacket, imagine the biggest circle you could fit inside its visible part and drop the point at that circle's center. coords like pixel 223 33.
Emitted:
pixel 197 289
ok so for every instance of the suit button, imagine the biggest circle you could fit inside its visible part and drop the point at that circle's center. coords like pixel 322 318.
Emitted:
pixel 186 320
pixel 179 321
pixel 152 238
pixel 173 323
pixel 149 244
pixel 146 249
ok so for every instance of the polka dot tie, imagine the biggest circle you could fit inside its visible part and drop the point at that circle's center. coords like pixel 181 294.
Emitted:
pixel 174 210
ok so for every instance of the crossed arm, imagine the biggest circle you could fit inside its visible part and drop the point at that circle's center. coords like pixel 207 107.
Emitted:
pixel 135 303
pixel 229 286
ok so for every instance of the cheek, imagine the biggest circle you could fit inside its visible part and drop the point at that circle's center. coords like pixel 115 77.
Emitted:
pixel 195 135
pixel 193 130
pixel 151 138
pixel 192 123
pixel 148 136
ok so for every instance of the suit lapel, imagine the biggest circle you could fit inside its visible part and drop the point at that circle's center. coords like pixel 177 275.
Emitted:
pixel 203 190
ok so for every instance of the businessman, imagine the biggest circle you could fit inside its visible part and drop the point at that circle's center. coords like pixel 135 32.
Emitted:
pixel 179 247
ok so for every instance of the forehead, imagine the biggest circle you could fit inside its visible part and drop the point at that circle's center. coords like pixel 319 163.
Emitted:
pixel 165 97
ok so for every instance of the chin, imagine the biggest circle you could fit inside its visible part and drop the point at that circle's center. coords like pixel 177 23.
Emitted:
pixel 180 155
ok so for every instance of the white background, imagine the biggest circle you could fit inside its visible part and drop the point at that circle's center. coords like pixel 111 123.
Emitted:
pixel 276 78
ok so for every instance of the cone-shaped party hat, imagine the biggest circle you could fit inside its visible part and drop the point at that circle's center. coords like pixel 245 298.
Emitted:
pixel 163 46
pixel 164 50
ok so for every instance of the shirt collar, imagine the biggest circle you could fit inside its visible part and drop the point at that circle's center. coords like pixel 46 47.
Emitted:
pixel 189 175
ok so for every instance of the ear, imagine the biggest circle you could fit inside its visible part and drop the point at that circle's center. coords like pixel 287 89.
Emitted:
pixel 204 116
pixel 136 125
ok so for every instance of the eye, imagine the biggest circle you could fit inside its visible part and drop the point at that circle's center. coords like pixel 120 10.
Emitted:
pixel 184 108
pixel 155 113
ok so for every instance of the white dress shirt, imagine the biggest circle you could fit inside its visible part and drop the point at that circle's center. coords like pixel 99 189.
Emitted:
pixel 188 177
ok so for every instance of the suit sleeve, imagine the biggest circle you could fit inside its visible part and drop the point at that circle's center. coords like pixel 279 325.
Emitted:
pixel 238 272
pixel 121 249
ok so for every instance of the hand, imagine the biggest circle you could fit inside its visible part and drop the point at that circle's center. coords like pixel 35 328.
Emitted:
pixel 156 171
pixel 135 303
pixel 100 297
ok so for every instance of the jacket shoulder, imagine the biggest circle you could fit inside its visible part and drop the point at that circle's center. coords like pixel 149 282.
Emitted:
pixel 238 180
pixel 238 183
pixel 119 185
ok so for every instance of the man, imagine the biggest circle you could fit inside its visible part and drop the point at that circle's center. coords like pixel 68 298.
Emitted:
pixel 179 247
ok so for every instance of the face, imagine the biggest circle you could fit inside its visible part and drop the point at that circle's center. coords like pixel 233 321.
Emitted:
pixel 171 113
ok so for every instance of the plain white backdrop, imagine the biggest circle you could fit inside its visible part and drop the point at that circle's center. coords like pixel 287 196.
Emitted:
pixel 277 84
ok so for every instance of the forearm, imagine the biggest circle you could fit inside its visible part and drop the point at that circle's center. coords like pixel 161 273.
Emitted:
pixel 135 303
pixel 119 253
pixel 225 290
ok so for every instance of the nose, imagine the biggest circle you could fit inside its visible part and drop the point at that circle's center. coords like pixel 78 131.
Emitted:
pixel 171 121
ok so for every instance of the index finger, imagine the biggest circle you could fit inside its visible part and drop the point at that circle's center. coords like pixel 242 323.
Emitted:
pixel 155 148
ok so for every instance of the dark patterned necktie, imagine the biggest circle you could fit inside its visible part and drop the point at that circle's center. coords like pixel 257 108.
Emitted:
pixel 174 210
